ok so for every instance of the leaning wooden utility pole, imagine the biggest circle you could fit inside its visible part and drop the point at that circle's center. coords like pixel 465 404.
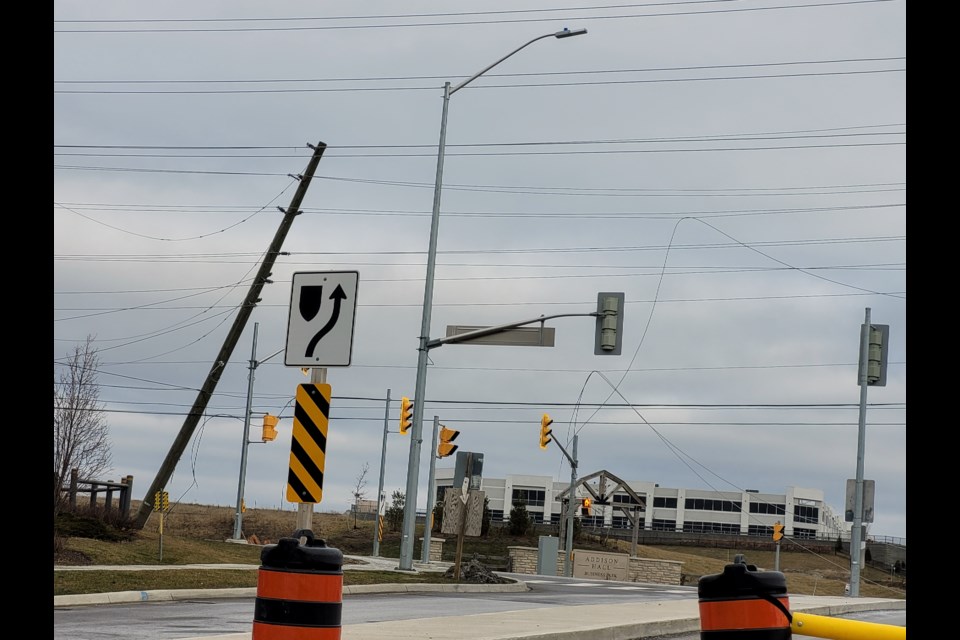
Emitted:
pixel 213 377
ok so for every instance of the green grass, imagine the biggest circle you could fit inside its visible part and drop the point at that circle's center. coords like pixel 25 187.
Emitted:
pixel 195 534
pixel 94 581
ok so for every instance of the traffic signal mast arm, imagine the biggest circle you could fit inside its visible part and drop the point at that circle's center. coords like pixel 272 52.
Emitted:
pixel 573 463
pixel 487 331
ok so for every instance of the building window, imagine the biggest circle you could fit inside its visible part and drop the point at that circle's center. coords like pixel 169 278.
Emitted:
pixel 665 503
pixel 807 515
pixel 707 504
pixel 711 527
pixel 664 525
pixel 623 498
pixel 766 507
pixel 620 522
pixel 760 530
pixel 799 532
pixel 529 497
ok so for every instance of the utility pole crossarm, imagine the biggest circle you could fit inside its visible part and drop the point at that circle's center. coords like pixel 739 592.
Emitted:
pixel 489 331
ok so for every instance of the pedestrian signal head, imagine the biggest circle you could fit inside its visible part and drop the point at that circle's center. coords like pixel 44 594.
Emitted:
pixel 406 414
pixel 586 508
pixel 545 431
pixel 777 532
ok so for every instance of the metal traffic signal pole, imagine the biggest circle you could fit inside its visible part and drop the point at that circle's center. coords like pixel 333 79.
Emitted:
pixel 230 342
pixel 855 531
pixel 571 508
pixel 238 516
pixel 383 465
pixel 428 524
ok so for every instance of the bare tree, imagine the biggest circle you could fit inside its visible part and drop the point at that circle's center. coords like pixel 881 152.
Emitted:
pixel 359 492
pixel 80 428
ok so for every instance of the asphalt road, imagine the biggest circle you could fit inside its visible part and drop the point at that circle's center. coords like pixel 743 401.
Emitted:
pixel 193 618
pixel 201 617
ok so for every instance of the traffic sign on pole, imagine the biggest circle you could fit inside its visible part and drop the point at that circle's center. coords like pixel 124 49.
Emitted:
pixel 308 444
pixel 323 307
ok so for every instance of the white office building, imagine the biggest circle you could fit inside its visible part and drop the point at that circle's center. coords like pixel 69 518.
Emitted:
pixel 802 511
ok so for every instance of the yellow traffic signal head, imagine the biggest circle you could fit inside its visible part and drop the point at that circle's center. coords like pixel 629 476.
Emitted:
pixel 545 431
pixel 269 427
pixel 777 532
pixel 444 448
pixel 406 414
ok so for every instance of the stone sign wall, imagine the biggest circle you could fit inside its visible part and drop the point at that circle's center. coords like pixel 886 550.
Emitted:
pixel 524 560
pixel 601 566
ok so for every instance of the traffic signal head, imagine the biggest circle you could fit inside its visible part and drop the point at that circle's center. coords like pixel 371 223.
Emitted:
pixel 609 334
pixel 586 507
pixel 777 532
pixel 406 414
pixel 269 427
pixel 444 448
pixel 877 342
pixel 545 431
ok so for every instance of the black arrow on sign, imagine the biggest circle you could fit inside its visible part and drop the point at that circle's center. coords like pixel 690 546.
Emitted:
pixel 336 296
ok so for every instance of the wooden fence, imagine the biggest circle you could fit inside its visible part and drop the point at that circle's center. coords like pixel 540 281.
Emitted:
pixel 77 486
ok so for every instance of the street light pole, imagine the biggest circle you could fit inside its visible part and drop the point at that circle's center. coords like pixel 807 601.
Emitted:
pixel 413 463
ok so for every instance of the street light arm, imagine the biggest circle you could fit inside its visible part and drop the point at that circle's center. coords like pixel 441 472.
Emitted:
pixel 566 33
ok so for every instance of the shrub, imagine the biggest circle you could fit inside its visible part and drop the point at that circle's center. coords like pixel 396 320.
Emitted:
pixel 519 519
pixel 91 525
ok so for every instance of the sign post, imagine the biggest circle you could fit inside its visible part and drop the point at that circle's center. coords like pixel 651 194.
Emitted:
pixel 323 307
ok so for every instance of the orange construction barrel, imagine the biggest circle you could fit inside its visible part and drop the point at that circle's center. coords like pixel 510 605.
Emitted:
pixel 299 590
pixel 744 603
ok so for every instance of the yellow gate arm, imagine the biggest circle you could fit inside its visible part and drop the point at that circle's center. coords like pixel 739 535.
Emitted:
pixel 839 629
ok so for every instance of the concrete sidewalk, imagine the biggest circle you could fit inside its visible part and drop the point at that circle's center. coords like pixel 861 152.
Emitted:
pixel 581 622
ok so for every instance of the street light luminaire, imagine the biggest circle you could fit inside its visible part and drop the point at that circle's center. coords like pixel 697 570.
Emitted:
pixel 419 399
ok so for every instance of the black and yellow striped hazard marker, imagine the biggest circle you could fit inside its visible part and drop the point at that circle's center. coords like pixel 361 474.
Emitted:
pixel 308 446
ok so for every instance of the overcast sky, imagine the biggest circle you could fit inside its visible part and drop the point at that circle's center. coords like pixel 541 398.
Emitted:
pixel 735 168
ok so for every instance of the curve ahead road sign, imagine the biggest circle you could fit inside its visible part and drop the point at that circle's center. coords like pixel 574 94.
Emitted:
pixel 323 306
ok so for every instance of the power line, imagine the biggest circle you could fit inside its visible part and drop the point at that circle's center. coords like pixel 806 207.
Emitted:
pixel 581 83
pixel 383 16
pixel 716 138
pixel 468 22
pixel 492 75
